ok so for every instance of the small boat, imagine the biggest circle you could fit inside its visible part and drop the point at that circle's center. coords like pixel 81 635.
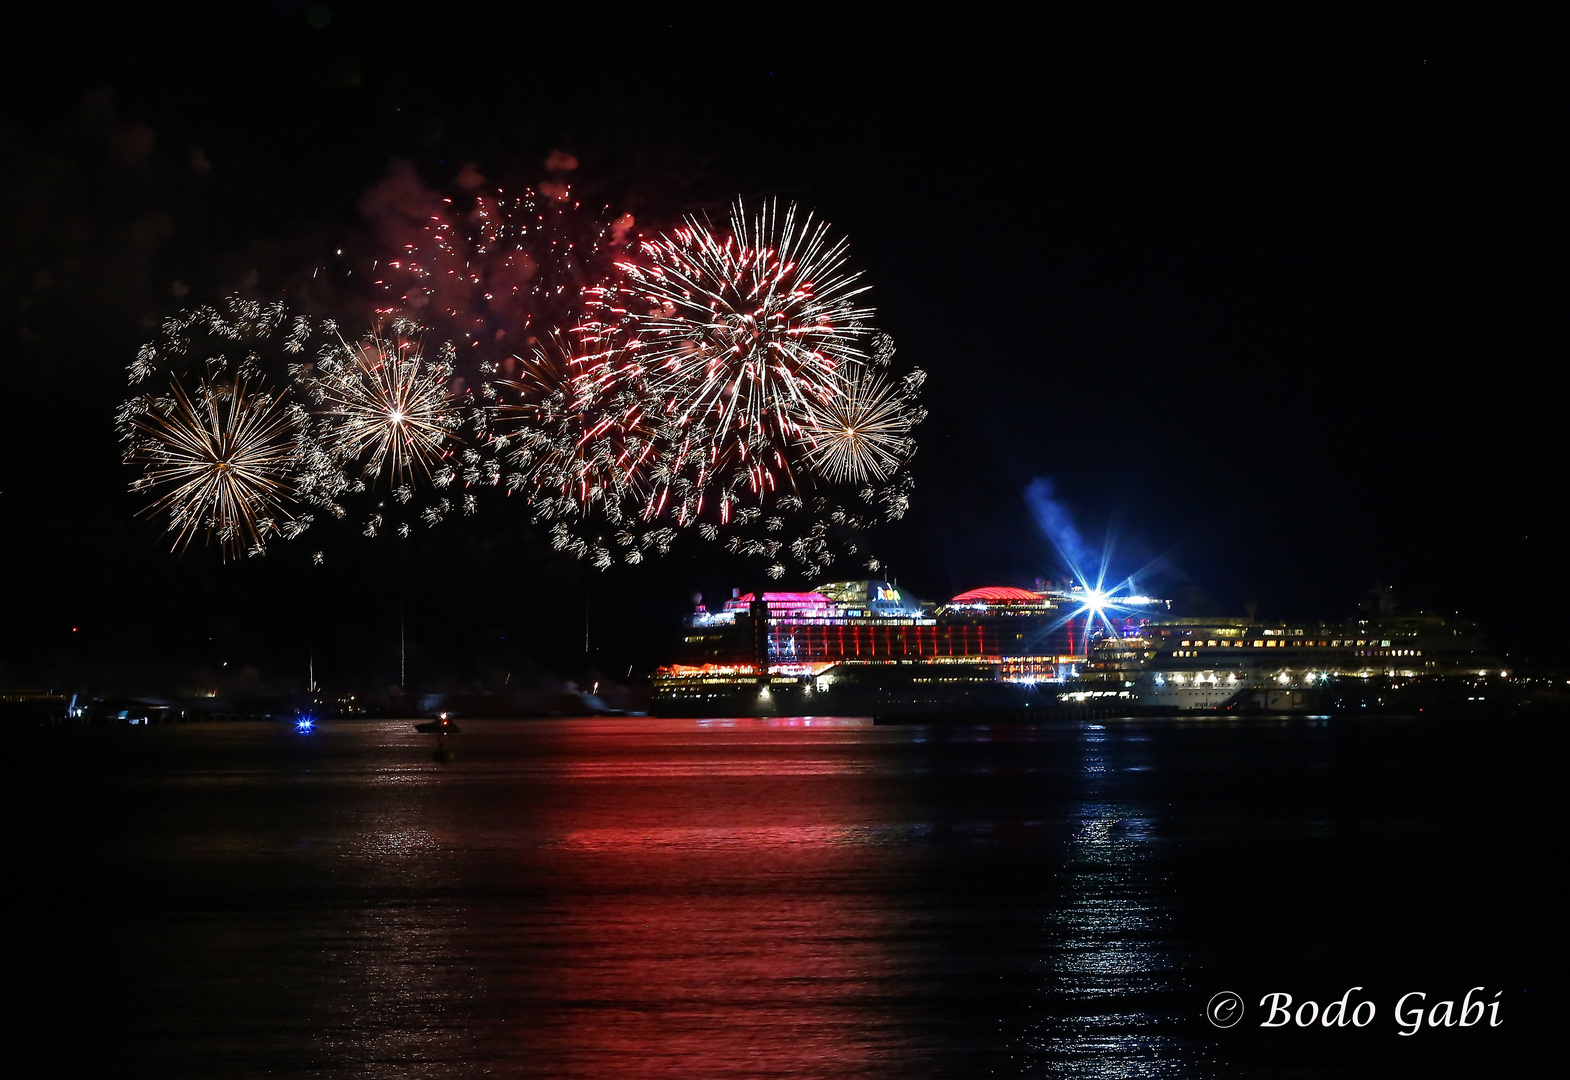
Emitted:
pixel 442 725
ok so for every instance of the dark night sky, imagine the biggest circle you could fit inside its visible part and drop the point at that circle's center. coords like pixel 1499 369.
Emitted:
pixel 1278 298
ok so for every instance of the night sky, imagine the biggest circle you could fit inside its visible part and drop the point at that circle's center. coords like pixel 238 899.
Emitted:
pixel 1276 301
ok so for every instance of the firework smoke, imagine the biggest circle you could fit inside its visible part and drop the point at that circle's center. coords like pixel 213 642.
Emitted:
pixel 485 269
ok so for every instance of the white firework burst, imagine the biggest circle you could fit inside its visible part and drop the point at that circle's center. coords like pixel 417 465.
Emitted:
pixel 382 404
pixel 862 434
pixel 223 459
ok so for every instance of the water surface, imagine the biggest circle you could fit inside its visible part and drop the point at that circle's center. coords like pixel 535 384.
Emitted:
pixel 639 898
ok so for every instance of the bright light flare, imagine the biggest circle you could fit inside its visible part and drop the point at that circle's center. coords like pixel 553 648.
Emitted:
pixel 1099 605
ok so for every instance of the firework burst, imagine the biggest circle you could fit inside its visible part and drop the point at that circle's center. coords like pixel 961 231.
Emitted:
pixel 738 335
pixel 223 459
pixel 227 455
pixel 723 379
pixel 224 456
pixel 572 443
pixel 382 405
pixel 863 433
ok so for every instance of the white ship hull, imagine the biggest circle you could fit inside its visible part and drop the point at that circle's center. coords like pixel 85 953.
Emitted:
pixel 1197 691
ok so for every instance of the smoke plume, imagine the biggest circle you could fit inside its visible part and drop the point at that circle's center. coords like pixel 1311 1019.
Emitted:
pixel 1057 523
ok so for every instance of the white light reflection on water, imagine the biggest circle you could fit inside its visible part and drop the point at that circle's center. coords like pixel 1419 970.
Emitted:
pixel 1100 1011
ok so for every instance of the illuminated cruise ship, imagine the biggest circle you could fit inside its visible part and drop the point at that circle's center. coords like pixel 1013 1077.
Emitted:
pixel 869 645
pixel 859 647
pixel 1185 664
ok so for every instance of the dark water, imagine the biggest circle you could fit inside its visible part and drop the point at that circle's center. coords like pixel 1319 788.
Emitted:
pixel 608 898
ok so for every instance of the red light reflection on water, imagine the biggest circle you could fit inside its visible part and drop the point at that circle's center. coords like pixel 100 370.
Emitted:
pixel 701 923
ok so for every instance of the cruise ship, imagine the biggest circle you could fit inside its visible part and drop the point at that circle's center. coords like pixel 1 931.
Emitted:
pixel 868 647
pixel 1185 664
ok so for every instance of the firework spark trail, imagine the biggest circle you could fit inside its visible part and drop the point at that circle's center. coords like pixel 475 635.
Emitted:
pixel 225 457
pixel 573 445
